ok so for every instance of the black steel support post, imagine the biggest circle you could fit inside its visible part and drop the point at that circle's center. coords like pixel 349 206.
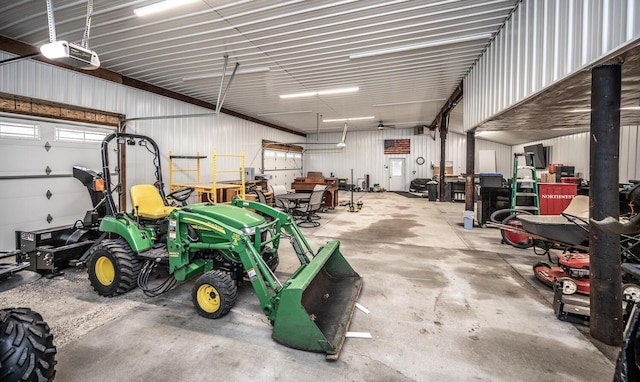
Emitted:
pixel 469 190
pixel 443 141
pixel 604 252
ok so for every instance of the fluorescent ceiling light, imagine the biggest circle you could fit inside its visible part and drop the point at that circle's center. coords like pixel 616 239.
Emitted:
pixel 160 7
pixel 580 111
pixel 407 102
pixel 321 92
pixel 430 44
pixel 347 119
pixel 261 69
pixel 284 112
pixel 630 108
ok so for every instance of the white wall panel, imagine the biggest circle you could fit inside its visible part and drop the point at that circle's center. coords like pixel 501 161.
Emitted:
pixel 365 154
pixel 222 133
pixel 456 151
pixel 629 156
pixel 573 150
pixel 543 42
pixel 503 156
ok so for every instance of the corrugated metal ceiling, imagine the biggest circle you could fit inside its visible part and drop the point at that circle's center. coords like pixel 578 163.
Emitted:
pixel 306 46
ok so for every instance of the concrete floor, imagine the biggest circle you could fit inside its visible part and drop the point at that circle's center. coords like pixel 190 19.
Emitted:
pixel 445 304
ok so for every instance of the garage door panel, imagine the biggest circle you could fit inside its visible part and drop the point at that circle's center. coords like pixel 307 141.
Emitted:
pixel 25 217
pixel 21 158
pixel 67 194
pixel 24 198
pixel 23 161
pixel 283 166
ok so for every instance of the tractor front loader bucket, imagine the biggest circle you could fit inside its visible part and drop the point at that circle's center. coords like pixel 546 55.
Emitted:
pixel 316 304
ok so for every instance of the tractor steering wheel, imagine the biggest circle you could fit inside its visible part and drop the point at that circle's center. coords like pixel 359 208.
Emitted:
pixel 181 195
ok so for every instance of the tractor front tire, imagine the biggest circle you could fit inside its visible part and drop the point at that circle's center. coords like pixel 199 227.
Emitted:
pixel 27 352
pixel 214 294
pixel 113 268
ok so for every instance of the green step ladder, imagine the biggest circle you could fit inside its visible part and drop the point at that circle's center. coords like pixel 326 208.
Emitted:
pixel 525 183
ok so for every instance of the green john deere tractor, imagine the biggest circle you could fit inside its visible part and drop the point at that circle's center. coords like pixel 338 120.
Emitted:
pixel 223 245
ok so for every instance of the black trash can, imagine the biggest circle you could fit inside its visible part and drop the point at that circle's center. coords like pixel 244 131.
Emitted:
pixel 432 190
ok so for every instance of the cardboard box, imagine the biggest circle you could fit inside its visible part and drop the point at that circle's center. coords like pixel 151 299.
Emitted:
pixel 448 170
pixel 547 178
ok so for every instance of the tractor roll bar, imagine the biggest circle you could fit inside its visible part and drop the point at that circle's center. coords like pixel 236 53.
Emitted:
pixel 111 206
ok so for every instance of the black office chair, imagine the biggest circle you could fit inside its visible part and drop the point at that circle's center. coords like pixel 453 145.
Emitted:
pixel 306 213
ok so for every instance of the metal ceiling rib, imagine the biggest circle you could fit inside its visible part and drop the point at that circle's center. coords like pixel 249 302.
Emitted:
pixel 305 44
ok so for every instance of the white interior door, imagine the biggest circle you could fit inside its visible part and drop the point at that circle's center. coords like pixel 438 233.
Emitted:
pixel 396 174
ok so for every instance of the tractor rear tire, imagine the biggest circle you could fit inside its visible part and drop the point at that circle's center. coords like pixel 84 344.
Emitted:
pixel 113 268
pixel 214 294
pixel 27 352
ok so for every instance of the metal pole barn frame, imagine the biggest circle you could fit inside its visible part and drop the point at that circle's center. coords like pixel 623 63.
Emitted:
pixel 604 253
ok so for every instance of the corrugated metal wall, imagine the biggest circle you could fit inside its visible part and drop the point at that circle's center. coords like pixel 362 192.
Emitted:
pixel 224 133
pixel 364 152
pixel 629 156
pixel 504 156
pixel 573 150
pixel 543 42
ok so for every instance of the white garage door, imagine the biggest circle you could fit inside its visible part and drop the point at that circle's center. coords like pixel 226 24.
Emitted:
pixel 283 166
pixel 37 190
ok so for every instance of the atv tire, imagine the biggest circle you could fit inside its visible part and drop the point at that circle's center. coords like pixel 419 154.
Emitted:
pixel 113 268
pixel 214 294
pixel 27 352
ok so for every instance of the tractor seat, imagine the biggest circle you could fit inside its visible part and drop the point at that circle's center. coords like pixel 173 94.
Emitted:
pixel 149 202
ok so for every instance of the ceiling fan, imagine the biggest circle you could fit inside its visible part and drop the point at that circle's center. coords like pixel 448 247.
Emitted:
pixel 381 126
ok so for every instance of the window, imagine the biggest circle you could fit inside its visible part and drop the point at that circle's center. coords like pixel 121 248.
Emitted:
pixel 79 135
pixel 15 130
